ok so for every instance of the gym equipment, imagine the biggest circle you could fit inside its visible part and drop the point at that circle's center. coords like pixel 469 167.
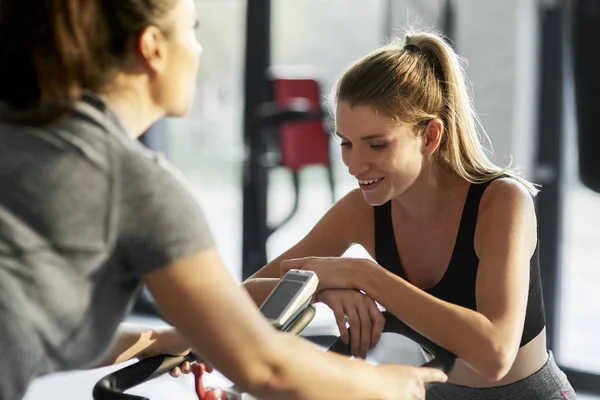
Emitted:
pixel 112 386
pixel 292 314
pixel 585 37
pixel 288 132
pixel 443 359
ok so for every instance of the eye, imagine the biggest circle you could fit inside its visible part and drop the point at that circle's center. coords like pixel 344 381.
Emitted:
pixel 379 146
pixel 346 145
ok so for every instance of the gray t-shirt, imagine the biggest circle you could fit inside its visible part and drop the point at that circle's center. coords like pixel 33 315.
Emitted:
pixel 85 211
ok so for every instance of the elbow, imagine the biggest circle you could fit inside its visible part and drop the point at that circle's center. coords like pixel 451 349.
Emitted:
pixel 262 381
pixel 265 376
pixel 498 362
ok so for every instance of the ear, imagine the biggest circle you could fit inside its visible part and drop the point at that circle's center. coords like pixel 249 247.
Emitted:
pixel 432 136
pixel 151 48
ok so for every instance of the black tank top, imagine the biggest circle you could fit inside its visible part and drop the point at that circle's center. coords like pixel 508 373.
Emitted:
pixel 457 286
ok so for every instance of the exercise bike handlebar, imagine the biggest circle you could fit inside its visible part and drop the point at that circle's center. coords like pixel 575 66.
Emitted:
pixel 112 386
pixel 443 359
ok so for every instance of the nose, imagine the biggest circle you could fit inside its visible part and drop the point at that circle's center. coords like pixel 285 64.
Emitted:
pixel 356 164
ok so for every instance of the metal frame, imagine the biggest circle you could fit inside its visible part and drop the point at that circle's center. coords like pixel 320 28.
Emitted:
pixel 258 60
pixel 550 158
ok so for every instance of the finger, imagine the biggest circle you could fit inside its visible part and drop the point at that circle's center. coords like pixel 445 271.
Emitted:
pixel 378 323
pixel 293 263
pixel 365 328
pixel 186 367
pixel 214 394
pixel 208 367
pixel 354 322
pixel 340 320
pixel 431 375
pixel 175 372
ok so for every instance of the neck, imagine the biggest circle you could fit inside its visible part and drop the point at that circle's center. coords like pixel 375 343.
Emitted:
pixel 133 105
pixel 429 199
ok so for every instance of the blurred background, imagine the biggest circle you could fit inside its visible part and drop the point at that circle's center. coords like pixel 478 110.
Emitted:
pixel 237 147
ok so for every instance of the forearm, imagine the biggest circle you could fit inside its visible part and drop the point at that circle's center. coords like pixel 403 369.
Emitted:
pixel 260 288
pixel 316 375
pixel 131 341
pixel 464 332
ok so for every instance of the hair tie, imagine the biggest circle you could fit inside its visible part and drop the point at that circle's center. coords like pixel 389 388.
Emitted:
pixel 412 48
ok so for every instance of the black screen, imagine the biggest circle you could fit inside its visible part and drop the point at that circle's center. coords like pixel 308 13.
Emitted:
pixel 280 298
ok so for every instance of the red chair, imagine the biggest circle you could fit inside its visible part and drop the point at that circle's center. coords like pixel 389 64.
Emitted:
pixel 302 143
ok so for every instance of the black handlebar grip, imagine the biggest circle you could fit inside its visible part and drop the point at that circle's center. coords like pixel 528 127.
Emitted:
pixel 443 359
pixel 112 386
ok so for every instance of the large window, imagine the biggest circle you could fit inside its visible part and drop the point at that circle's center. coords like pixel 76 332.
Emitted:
pixel 579 326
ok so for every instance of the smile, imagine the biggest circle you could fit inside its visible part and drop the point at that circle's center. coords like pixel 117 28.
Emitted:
pixel 368 182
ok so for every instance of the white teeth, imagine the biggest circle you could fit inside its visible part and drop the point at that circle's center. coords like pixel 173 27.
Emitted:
pixel 368 181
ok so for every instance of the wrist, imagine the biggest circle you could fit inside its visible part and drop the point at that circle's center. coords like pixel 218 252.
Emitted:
pixel 161 341
pixel 362 268
pixel 152 340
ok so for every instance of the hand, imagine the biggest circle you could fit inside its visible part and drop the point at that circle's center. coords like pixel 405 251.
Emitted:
pixel 333 272
pixel 403 382
pixel 171 342
pixel 363 315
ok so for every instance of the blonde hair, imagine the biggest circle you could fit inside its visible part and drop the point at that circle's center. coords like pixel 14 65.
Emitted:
pixel 415 80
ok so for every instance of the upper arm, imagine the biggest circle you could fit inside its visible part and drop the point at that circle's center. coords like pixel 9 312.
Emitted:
pixel 197 295
pixel 347 222
pixel 160 219
pixel 505 240
pixel 167 244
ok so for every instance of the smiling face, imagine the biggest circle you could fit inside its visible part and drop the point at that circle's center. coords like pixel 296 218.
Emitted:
pixel 386 158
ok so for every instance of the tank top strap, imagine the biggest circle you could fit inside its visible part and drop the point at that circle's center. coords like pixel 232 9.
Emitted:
pixel 386 252
pixel 468 222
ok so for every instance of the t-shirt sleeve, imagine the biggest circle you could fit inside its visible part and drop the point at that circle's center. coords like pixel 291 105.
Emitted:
pixel 161 220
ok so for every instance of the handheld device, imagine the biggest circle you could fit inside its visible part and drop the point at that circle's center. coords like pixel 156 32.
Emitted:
pixel 291 295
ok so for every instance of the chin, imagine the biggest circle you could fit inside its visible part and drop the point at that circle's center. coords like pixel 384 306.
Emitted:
pixel 374 199
pixel 178 112
pixel 180 107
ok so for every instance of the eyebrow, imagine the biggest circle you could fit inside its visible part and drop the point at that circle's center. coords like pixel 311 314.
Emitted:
pixel 368 137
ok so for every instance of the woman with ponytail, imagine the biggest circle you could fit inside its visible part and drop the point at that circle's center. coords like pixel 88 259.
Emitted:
pixel 452 236
pixel 87 214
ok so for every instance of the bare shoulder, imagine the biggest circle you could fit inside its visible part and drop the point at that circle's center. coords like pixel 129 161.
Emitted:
pixel 506 208
pixel 349 221
pixel 355 202
pixel 504 194
pixel 353 215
